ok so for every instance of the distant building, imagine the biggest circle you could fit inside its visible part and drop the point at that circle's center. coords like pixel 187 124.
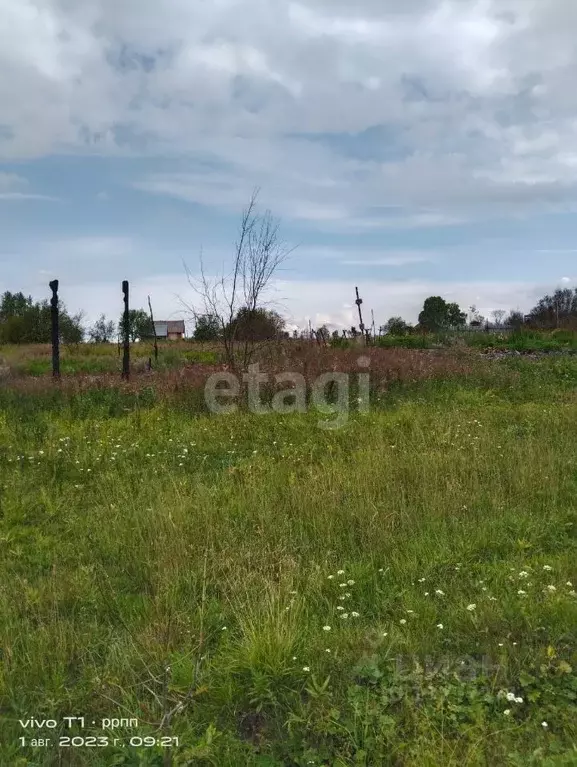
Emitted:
pixel 171 330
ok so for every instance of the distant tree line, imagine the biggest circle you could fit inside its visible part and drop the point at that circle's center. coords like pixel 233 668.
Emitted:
pixel 23 321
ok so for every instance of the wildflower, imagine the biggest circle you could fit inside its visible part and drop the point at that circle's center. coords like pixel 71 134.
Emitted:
pixel 522 593
pixel 573 593
pixel 523 574
pixel 328 649
pixel 439 592
pixel 340 572
pixel 342 585
pixel 306 668
pixel 507 711
pixel 421 580
pixel 223 628
pixel 294 657
pixel 340 607
pixel 326 628
pixel 547 567
pixel 350 583
pixel 439 625
pixel 330 577
pixel 426 593
pixel 344 615
pixel 355 615
pixel 410 612
pixel 551 588
pixel 510 696
pixel 544 725
pixel 385 633
pixel 402 621
pixel 569 584
pixel 471 607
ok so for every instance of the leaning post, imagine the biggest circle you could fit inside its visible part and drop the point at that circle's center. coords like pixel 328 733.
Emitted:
pixel 55 330
pixel 126 334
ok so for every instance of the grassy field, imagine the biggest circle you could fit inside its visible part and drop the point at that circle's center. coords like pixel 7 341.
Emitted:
pixel 259 591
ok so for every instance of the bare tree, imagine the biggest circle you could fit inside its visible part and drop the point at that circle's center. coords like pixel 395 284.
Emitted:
pixel 258 255
pixel 498 315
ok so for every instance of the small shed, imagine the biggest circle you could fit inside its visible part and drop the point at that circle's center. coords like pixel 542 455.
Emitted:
pixel 171 330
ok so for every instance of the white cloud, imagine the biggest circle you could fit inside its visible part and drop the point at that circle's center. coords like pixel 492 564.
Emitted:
pixel 14 187
pixel 477 96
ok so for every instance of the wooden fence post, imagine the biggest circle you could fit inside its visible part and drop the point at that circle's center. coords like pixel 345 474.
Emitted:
pixel 154 331
pixel 126 334
pixel 55 329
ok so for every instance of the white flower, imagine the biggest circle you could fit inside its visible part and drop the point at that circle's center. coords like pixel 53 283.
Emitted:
pixel 355 615
pixel 439 592
pixel 573 593
pixel 510 696
pixel 402 621
pixel 342 585
pixel 522 593
pixel 523 574
pixel 326 628
pixel 350 583
pixel 439 625
pixel 328 649
pixel 340 607
pixel 544 725
pixel 330 577
pixel 471 607
pixel 551 589
pixel 547 567
pixel 507 711
pixel 385 633
pixel 518 700
pixel 306 668
pixel 410 612
pixel 294 657
pixel 421 580
pixel 569 584
pixel 344 615
pixel 340 572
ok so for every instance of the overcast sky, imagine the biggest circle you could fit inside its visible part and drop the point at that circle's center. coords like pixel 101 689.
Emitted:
pixel 410 147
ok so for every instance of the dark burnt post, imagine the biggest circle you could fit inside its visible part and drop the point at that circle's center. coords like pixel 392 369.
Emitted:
pixel 55 330
pixel 126 334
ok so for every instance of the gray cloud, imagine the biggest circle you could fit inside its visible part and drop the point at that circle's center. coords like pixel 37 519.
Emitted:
pixel 477 97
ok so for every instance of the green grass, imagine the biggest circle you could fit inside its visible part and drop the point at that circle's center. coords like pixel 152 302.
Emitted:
pixel 522 340
pixel 153 557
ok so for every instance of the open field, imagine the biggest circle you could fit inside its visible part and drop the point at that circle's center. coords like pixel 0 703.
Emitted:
pixel 399 591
